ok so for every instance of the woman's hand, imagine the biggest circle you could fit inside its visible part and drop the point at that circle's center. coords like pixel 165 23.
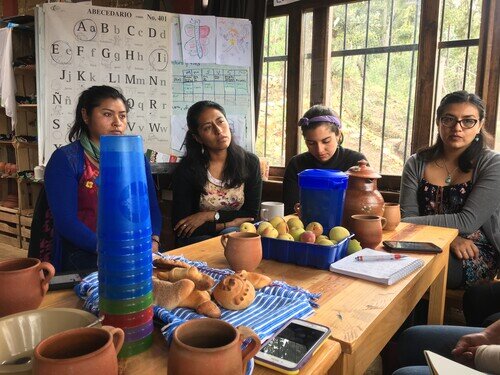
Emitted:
pixel 155 244
pixel 188 225
pixel 464 248
pixel 465 350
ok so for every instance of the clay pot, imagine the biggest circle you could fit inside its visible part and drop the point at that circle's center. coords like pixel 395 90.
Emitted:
pixel 362 196
pixel 2 166
pixel 210 347
pixel 6 168
pixel 368 229
pixel 13 169
pixel 79 351
pixel 24 282
pixel 243 250
pixel 392 213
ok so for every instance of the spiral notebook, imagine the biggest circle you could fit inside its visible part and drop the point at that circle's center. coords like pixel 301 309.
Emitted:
pixel 443 366
pixel 382 271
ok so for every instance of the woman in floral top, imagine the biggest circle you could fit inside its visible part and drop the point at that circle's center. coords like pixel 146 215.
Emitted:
pixel 218 184
pixel 455 183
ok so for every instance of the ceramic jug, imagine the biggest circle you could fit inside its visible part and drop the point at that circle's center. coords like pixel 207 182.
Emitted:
pixel 24 282
pixel 368 229
pixel 243 250
pixel 79 351
pixel 362 196
pixel 210 347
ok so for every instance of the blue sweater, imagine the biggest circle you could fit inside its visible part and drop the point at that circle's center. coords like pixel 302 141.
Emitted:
pixel 62 176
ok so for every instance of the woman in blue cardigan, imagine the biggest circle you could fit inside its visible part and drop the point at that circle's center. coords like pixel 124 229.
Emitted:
pixel 70 180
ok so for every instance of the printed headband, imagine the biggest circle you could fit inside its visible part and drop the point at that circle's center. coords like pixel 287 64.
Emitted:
pixel 304 121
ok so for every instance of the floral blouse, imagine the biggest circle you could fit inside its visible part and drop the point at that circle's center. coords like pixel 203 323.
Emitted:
pixel 220 198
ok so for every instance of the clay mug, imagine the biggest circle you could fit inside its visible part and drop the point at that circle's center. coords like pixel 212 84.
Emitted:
pixel 392 214
pixel 80 351
pixel 24 282
pixel 210 347
pixel 368 229
pixel 243 250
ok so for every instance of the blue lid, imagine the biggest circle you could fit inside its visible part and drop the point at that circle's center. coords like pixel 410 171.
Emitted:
pixel 323 179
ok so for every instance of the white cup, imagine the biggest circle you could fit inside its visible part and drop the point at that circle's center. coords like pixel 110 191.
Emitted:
pixel 39 172
pixel 268 210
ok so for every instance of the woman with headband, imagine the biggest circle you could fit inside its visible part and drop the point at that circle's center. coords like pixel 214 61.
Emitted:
pixel 321 129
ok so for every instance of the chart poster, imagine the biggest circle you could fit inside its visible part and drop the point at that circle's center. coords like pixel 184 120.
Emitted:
pixel 82 46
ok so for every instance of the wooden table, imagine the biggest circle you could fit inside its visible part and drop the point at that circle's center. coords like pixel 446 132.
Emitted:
pixel 363 316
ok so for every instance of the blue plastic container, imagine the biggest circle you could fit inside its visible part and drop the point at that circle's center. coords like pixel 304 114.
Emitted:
pixel 128 279
pixel 124 247
pixel 123 207
pixel 136 290
pixel 322 194
pixel 304 254
pixel 124 263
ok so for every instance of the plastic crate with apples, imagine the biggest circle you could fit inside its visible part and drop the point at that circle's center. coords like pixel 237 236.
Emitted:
pixel 290 241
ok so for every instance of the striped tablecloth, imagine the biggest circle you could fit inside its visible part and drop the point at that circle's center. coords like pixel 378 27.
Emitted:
pixel 273 306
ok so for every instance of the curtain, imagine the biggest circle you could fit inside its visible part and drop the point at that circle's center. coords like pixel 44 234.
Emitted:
pixel 255 11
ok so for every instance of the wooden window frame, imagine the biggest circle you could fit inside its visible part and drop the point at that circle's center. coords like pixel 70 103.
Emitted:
pixel 487 81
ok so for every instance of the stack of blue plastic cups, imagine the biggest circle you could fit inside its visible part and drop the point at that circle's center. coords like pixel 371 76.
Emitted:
pixel 124 242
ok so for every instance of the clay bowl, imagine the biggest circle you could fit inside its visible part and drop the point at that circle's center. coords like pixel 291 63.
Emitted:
pixel 20 333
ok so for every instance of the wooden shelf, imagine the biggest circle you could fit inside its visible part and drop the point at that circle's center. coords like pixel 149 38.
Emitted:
pixel 25 69
pixel 7 143
pixel 27 107
pixel 22 144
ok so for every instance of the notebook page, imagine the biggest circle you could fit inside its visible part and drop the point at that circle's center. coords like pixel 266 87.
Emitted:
pixel 443 366
pixel 382 271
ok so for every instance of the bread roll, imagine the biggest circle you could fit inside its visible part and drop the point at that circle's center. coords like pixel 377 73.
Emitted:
pixel 168 264
pixel 200 301
pixel 169 295
pixel 256 279
pixel 234 293
pixel 201 281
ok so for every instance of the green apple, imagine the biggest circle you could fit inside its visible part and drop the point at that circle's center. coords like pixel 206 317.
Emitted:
pixel 276 220
pixel 296 232
pixel 338 233
pixel 264 225
pixel 325 242
pixel 248 227
pixel 354 246
pixel 286 237
pixel 321 237
pixel 269 232
pixel 282 227
pixel 295 222
pixel 315 227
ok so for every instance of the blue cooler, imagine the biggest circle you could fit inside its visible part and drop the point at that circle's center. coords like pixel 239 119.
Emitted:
pixel 322 194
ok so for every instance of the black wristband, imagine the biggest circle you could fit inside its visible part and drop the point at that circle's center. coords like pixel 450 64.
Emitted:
pixel 157 241
pixel 224 225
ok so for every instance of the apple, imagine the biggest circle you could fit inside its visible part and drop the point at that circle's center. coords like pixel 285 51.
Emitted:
pixel 325 242
pixel 264 225
pixel 354 246
pixel 269 232
pixel 296 232
pixel 308 237
pixel 315 227
pixel 276 220
pixel 295 222
pixel 321 237
pixel 286 237
pixel 282 227
pixel 248 227
pixel 338 233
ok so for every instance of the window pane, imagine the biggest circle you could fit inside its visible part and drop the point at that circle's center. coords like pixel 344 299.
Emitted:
pixel 406 22
pixel 270 142
pixel 456 19
pixel 357 14
pixel 307 22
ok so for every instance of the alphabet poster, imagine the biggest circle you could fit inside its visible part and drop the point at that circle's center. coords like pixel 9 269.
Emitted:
pixel 139 52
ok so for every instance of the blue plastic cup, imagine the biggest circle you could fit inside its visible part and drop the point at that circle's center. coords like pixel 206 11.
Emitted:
pixel 129 278
pixel 124 263
pixel 124 248
pixel 123 207
pixel 136 290
pixel 322 194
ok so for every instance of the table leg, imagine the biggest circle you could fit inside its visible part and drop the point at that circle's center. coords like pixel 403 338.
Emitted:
pixel 437 296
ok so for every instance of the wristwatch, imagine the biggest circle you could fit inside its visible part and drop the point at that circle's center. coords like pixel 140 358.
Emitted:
pixel 216 216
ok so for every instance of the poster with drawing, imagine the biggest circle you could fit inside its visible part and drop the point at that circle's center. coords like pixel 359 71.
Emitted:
pixel 143 53
pixel 198 35
pixel 234 41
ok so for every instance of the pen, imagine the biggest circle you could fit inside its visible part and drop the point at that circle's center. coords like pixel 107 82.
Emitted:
pixel 366 258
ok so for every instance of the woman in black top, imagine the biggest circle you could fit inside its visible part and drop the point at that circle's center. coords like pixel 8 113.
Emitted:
pixel 218 184
pixel 321 129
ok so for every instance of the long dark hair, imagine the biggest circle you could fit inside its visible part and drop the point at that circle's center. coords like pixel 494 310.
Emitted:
pixel 321 110
pixel 90 99
pixel 468 158
pixel 197 160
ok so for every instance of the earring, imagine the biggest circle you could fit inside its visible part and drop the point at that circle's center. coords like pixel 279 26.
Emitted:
pixel 476 139
pixel 202 150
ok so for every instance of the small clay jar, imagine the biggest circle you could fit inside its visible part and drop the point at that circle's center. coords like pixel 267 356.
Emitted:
pixel 23 284
pixel 85 350
pixel 362 196
pixel 6 168
pixel 243 250
pixel 368 229
pixel 210 347
pixel 13 169
pixel 392 213
pixel 2 166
